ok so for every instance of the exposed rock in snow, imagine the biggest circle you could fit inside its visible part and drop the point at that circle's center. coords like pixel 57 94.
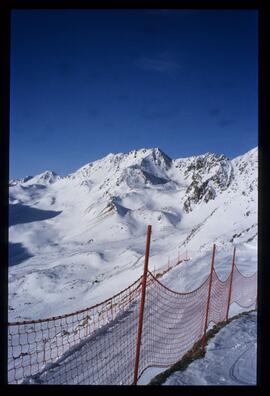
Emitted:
pixel 211 174
pixel 190 202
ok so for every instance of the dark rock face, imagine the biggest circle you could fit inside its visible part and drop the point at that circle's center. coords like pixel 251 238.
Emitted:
pixel 157 158
pixel 211 174
pixel 162 159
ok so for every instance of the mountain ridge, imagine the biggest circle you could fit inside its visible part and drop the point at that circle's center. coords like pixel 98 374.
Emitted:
pixel 120 155
pixel 95 218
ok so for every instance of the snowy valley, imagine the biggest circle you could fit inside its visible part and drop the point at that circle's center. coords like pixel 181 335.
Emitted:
pixel 78 239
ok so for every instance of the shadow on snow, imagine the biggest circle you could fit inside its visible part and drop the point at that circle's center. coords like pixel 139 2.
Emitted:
pixel 17 253
pixel 20 214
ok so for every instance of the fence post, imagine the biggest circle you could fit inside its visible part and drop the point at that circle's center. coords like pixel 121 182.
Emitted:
pixel 140 322
pixel 208 299
pixel 230 288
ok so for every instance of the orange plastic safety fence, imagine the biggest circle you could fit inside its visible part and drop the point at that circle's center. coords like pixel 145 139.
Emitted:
pixel 77 348
pixel 172 323
pixel 98 345
pixel 244 289
pixel 218 299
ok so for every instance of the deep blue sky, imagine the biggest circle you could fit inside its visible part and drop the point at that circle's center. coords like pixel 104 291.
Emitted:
pixel 85 83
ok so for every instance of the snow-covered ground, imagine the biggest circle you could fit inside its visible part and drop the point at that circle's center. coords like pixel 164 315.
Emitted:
pixel 76 240
pixel 230 359
pixel 108 356
pixel 79 239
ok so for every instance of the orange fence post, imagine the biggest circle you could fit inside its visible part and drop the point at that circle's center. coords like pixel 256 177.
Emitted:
pixel 230 288
pixel 208 299
pixel 47 351
pixel 140 322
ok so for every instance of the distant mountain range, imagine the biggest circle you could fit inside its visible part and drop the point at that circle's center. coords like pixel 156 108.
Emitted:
pixel 97 216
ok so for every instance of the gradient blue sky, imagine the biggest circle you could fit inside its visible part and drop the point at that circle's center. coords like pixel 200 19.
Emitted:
pixel 85 83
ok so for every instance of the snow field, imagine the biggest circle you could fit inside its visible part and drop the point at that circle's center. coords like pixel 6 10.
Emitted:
pixel 79 239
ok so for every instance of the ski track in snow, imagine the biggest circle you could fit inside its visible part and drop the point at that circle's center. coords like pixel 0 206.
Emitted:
pixel 230 357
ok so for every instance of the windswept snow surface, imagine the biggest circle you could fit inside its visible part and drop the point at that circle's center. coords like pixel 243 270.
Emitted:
pixel 231 357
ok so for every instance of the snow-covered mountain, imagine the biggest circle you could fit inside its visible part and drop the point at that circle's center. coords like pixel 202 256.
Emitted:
pixel 78 239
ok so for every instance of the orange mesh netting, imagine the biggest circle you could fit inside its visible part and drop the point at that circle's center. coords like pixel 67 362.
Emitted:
pixel 172 323
pixel 98 345
pixel 244 289
pixel 77 347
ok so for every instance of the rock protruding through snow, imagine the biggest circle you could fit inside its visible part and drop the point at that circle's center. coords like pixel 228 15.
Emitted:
pixel 96 218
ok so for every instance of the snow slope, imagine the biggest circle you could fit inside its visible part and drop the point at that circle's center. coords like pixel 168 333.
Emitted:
pixel 231 357
pixel 78 239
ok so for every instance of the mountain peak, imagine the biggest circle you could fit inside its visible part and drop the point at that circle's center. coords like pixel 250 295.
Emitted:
pixel 45 177
pixel 14 182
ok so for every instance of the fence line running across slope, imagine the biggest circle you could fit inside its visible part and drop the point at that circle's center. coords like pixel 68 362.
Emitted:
pixel 97 345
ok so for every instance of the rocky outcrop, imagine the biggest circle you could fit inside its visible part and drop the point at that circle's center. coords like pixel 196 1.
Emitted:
pixel 211 174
